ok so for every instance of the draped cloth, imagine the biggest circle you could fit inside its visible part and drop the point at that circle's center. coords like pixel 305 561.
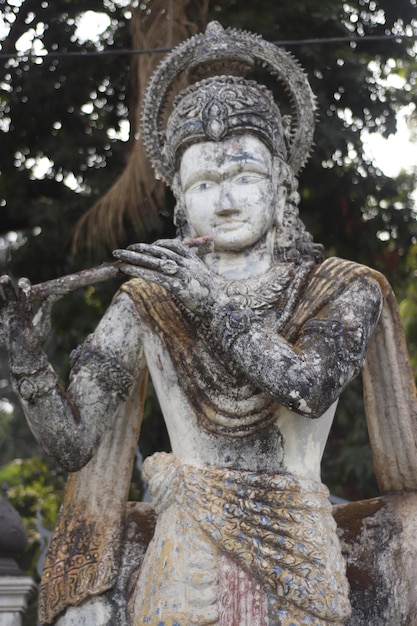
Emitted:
pixel 83 556
pixel 389 389
pixel 277 527
pixel 95 497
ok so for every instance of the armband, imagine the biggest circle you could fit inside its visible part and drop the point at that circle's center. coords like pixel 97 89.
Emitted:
pixel 104 368
pixel 348 342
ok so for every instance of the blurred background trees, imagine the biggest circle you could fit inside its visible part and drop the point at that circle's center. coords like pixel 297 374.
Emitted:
pixel 65 142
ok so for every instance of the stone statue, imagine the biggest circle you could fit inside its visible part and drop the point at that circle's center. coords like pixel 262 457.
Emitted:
pixel 249 344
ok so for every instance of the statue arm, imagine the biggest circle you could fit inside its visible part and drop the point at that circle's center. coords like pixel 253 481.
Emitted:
pixel 309 376
pixel 69 424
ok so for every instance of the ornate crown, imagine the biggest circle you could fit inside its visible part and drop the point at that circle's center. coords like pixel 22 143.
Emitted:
pixel 224 102
pixel 217 107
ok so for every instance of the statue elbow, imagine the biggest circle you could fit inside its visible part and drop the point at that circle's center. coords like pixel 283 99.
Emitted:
pixel 72 463
pixel 312 398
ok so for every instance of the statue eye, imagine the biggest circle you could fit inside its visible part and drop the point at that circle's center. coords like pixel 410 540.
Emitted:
pixel 203 185
pixel 248 179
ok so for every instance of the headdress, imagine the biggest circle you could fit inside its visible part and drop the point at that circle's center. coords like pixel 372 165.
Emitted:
pixel 220 106
pixel 220 101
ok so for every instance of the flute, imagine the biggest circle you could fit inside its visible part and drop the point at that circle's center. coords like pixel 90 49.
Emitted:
pixel 71 282
pixel 105 271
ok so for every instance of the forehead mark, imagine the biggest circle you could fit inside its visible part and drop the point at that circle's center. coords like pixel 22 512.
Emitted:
pixel 245 156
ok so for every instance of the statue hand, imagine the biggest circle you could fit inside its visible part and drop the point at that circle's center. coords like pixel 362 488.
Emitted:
pixel 176 267
pixel 22 331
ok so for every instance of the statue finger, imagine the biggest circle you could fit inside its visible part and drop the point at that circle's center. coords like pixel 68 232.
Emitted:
pixel 136 258
pixel 8 291
pixel 164 265
pixel 25 290
pixel 169 267
pixel 42 319
pixel 153 250
pixel 133 270
pixel 25 286
pixel 174 246
pixel 140 272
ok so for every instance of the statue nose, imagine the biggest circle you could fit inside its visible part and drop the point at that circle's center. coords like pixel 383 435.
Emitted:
pixel 225 201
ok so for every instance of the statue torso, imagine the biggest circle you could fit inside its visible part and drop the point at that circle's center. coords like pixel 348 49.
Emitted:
pixel 214 413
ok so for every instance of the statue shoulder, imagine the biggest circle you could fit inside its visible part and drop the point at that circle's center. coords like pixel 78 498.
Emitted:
pixel 334 265
pixel 340 288
pixel 337 271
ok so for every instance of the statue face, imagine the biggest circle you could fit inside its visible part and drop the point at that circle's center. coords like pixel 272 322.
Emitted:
pixel 230 192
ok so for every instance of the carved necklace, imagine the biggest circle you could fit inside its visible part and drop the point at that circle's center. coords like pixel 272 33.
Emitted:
pixel 278 289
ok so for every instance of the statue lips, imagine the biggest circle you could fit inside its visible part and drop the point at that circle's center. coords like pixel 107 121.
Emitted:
pixel 228 224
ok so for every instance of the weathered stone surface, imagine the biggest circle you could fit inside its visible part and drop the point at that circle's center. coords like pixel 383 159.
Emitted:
pixel 111 608
pixel 378 539
pixel 249 346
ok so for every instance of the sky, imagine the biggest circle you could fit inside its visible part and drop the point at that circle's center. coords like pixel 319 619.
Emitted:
pixel 395 153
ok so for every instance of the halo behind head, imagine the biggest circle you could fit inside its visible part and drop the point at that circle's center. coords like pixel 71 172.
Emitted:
pixel 211 117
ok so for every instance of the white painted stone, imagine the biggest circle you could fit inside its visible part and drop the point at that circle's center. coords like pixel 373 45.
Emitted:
pixel 10 619
pixel 96 611
pixel 14 594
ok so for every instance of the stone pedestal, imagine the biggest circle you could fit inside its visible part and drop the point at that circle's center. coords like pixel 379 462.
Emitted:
pixel 14 592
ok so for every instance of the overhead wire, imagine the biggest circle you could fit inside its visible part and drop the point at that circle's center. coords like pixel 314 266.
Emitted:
pixel 126 51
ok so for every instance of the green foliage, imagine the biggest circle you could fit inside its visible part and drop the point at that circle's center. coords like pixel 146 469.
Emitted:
pixel 35 489
pixel 35 485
